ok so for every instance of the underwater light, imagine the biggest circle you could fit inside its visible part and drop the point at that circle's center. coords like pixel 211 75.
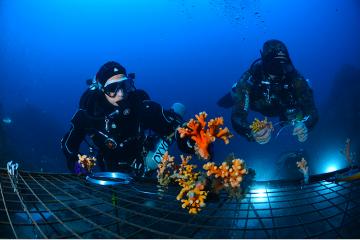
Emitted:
pixel 260 192
pixel 331 168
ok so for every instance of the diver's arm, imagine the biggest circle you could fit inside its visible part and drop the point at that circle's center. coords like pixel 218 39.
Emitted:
pixel 165 123
pixel 241 107
pixel 70 143
pixel 305 98
pixel 154 117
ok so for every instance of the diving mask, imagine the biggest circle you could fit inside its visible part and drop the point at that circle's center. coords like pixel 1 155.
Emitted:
pixel 278 67
pixel 113 86
pixel 277 62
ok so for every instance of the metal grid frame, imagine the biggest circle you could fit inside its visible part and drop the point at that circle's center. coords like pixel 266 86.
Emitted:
pixel 66 206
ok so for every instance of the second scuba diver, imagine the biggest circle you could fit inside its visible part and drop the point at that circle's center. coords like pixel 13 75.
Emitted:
pixel 273 87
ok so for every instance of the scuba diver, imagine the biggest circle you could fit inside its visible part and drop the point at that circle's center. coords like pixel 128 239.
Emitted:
pixel 273 87
pixel 116 116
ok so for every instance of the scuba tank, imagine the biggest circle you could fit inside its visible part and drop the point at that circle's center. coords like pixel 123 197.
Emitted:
pixel 156 146
pixel 155 154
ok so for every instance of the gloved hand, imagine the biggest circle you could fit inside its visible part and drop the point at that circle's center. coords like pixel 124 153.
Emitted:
pixel 301 131
pixel 185 144
pixel 79 170
pixel 263 136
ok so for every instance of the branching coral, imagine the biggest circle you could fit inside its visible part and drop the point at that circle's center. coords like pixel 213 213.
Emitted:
pixel 194 184
pixel 165 169
pixel 192 194
pixel 304 169
pixel 204 133
pixel 302 165
pixel 195 198
pixel 231 175
pixel 87 162
pixel 258 125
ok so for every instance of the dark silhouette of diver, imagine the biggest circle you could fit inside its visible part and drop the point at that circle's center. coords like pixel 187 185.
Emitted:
pixel 273 87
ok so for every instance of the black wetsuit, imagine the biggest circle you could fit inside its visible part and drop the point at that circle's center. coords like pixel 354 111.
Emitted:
pixel 289 98
pixel 117 132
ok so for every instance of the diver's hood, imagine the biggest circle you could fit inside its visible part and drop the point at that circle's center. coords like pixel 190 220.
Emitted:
pixel 274 49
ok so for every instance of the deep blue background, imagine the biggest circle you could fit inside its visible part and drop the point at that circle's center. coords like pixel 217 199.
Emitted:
pixel 181 50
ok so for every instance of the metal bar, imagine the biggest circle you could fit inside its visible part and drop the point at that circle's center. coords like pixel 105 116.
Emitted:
pixel 47 209
pixel 26 210
pixel 76 213
pixel 288 195
pixel 7 212
pixel 121 220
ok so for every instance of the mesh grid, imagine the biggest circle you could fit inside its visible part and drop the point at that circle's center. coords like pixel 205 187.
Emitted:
pixel 66 206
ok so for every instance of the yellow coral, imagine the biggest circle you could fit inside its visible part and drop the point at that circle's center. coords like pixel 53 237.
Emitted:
pixel 258 125
pixel 302 165
pixel 192 194
pixel 204 133
pixel 87 162
pixel 230 175
pixel 165 169
pixel 195 198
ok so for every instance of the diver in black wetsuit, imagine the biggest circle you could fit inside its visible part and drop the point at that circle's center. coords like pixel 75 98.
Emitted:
pixel 273 87
pixel 115 115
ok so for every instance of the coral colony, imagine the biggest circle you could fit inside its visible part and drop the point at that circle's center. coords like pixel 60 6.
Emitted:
pixel 258 125
pixel 204 133
pixel 86 162
pixel 304 169
pixel 195 184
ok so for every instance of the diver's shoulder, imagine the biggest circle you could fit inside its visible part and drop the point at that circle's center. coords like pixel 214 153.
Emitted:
pixel 89 96
pixel 94 103
pixel 256 67
pixel 140 95
pixel 297 77
pixel 254 73
pixel 300 81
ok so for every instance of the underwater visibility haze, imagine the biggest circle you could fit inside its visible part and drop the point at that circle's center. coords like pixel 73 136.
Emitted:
pixel 184 51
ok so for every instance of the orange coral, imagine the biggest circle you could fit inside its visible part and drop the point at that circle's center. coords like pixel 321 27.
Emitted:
pixel 87 162
pixel 192 194
pixel 302 164
pixel 204 133
pixel 304 169
pixel 230 175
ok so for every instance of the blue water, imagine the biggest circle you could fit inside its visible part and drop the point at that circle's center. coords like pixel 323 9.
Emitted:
pixel 180 50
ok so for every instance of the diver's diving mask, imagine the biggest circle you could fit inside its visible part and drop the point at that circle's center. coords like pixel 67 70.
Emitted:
pixel 277 63
pixel 278 67
pixel 113 86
